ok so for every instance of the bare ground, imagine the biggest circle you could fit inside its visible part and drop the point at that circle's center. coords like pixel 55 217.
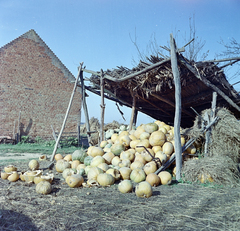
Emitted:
pixel 175 207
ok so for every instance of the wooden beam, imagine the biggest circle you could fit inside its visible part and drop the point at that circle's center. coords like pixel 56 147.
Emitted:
pixel 177 117
pixel 220 60
pixel 208 83
pixel 149 68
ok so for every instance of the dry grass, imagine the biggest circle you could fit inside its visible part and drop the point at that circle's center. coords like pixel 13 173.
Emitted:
pixel 175 207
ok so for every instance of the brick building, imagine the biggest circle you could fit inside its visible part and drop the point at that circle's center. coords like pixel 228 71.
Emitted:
pixel 34 81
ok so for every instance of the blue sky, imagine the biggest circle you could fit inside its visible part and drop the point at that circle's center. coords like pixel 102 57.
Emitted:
pixel 97 32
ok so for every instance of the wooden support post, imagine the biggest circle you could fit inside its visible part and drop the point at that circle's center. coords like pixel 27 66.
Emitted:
pixel 177 118
pixel 102 107
pixel 14 138
pixel 208 133
pixel 84 103
pixel 67 112
pixel 79 124
pixel 135 118
pixel 133 112
pixel 18 139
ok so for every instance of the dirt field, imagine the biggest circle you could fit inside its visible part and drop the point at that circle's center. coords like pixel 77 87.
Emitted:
pixel 175 207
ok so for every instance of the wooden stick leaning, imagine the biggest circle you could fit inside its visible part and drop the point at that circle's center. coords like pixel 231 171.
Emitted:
pixel 66 115
pixel 184 148
pixel 54 136
pixel 177 117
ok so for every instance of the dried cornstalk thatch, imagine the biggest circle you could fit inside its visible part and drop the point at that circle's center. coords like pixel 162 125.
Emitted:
pixel 222 169
pixel 226 136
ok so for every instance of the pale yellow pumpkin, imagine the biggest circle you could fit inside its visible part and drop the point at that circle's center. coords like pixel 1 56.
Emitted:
pixel 144 189
pixel 58 157
pixel 33 165
pixel 134 143
pixel 43 187
pixel 103 166
pixel 153 179
pixel 125 173
pixel 116 160
pixel 136 164
pixel 157 138
pixel 114 172
pixel 127 155
pixel 145 143
pixel 150 167
pixel 10 168
pixel 165 177
pixel 93 173
pixel 103 144
pixel 30 175
pixel 114 137
pixel 124 163
pixel 75 163
pixel 156 148
pixel 162 156
pixel 117 148
pixel 139 157
pixel 137 175
pixel 163 129
pixel 105 179
pixel 144 135
pixel 139 131
pixel 125 186
pixel 168 148
pixel 74 180
pixel 14 176
pixel 96 151
pixel 97 160
pixel 5 175
pixel 67 172
pixel 146 156
pixel 61 165
pixel 125 140
pixel 108 157
pixel 68 157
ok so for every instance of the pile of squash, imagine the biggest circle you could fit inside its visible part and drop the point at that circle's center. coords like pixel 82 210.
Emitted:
pixel 33 175
pixel 124 156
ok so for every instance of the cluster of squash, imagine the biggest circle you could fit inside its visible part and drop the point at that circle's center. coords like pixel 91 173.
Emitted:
pixel 124 155
pixel 33 175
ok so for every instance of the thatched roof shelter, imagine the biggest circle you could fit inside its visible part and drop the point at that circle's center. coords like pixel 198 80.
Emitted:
pixel 152 83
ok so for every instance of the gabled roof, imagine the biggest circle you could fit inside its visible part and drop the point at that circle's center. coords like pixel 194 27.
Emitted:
pixel 31 34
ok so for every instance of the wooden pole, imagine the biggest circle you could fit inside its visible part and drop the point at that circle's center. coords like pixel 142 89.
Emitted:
pixel 54 136
pixel 177 118
pixel 208 132
pixel 18 128
pixel 102 107
pixel 133 112
pixel 67 112
pixel 85 109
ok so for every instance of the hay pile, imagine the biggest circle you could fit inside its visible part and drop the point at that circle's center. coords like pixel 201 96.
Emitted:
pixel 222 169
pixel 224 151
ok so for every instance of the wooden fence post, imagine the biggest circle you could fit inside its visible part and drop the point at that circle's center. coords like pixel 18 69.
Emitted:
pixel 133 112
pixel 177 118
